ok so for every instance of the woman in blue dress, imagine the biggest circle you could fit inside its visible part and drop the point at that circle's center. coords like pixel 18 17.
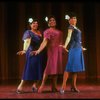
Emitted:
pixel 75 55
pixel 33 67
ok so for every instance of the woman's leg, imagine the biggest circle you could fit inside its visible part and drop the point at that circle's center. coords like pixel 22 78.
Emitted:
pixel 74 80
pixel 20 87
pixel 43 82
pixel 65 77
pixel 54 83
pixel 35 86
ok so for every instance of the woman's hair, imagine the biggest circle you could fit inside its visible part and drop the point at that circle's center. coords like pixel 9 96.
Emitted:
pixel 72 14
pixel 32 20
pixel 51 16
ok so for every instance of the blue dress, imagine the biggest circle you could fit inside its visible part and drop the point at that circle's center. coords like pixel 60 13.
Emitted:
pixel 33 66
pixel 75 55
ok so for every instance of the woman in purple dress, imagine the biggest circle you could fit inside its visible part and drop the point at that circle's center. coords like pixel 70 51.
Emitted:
pixel 52 39
pixel 33 67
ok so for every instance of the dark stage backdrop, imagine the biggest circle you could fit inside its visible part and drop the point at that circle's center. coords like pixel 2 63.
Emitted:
pixel 13 22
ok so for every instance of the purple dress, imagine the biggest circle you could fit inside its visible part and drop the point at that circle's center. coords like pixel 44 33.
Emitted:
pixel 54 52
pixel 33 67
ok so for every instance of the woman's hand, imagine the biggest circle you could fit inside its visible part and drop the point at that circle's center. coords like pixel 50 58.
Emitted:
pixel 63 47
pixel 84 49
pixel 34 52
pixel 21 52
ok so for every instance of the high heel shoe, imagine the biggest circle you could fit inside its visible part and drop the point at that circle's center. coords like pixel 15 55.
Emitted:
pixel 74 90
pixel 62 91
pixel 19 91
pixel 40 90
pixel 34 89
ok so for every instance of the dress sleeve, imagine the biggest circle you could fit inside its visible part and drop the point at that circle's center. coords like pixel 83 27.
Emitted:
pixel 26 35
pixel 47 34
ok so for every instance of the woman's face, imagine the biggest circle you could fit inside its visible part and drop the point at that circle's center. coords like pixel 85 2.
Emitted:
pixel 73 21
pixel 34 25
pixel 52 22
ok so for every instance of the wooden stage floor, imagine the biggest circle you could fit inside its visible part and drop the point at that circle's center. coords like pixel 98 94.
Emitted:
pixel 87 91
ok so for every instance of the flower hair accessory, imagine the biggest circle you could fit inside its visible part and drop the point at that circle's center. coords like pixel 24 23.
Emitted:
pixel 46 19
pixel 30 20
pixel 67 17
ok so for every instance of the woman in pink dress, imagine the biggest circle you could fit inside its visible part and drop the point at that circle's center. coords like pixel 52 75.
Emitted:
pixel 52 39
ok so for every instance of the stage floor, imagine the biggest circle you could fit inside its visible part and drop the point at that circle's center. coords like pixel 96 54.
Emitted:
pixel 87 91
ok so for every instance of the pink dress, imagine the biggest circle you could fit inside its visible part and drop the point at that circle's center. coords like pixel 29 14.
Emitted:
pixel 54 52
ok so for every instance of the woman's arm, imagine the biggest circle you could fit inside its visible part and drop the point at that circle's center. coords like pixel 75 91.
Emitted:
pixel 42 46
pixel 25 46
pixel 68 37
pixel 83 48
